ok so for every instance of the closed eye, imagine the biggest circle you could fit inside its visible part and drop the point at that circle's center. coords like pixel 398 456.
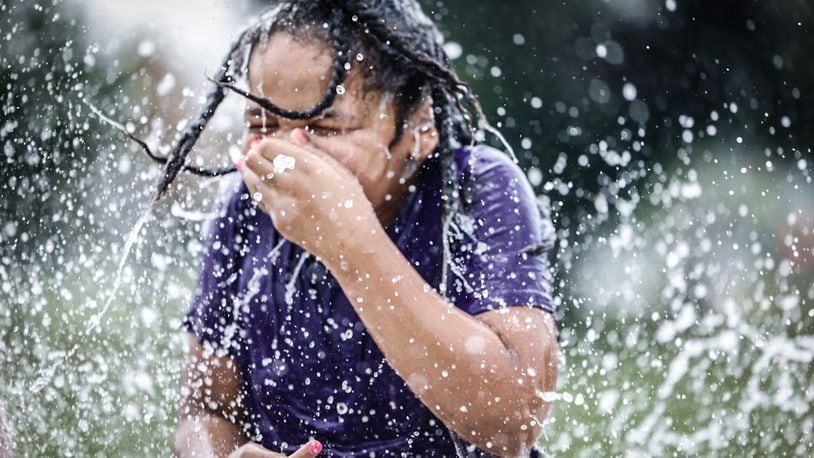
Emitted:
pixel 261 128
pixel 324 131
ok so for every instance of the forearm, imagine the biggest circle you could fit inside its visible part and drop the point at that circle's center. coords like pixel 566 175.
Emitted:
pixel 206 435
pixel 457 365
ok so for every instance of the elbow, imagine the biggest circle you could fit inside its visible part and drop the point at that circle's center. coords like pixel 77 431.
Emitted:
pixel 509 430
pixel 515 425
pixel 527 428
pixel 516 434
pixel 514 400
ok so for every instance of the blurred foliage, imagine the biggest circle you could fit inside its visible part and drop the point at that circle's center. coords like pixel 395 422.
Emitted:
pixel 745 60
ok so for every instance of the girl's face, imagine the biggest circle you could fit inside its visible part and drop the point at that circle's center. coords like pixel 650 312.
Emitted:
pixel 358 130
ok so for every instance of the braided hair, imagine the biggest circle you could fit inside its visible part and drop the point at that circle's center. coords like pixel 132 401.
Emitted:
pixel 404 55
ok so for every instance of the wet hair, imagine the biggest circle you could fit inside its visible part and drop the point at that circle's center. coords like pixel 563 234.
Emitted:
pixel 403 56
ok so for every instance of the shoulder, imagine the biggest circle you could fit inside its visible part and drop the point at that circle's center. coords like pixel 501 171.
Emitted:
pixel 491 177
pixel 503 234
pixel 483 162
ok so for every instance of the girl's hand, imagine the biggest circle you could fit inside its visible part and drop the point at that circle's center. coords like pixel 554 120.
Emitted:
pixel 252 450
pixel 318 204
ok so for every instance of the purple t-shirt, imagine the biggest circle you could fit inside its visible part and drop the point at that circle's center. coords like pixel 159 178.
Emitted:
pixel 308 366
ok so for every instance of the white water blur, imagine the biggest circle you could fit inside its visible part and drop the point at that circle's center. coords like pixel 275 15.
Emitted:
pixel 46 374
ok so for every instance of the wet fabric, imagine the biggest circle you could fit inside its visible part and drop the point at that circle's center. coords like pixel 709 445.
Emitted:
pixel 307 364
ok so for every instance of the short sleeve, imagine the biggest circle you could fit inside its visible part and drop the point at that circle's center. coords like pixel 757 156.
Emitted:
pixel 212 314
pixel 502 238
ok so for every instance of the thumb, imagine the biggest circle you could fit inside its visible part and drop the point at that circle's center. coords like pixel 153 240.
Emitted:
pixel 309 450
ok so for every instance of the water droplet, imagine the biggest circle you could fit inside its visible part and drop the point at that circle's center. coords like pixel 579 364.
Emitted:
pixel 453 50
pixel 282 162
pixel 341 408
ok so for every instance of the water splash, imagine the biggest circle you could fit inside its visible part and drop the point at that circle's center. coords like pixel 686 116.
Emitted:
pixel 291 285
pixel 253 286
pixel 46 374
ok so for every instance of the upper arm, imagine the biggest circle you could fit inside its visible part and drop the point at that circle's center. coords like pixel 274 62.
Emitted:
pixel 211 383
pixel 501 258
pixel 210 414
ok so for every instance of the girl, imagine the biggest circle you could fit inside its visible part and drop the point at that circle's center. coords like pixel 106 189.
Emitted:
pixel 376 284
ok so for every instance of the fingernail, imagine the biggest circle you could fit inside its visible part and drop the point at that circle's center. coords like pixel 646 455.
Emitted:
pixel 254 142
pixel 298 137
pixel 240 161
pixel 316 447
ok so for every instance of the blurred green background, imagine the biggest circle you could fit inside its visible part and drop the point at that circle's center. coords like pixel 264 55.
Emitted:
pixel 670 139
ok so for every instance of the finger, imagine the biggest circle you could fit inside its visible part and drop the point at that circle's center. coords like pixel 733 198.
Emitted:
pixel 272 188
pixel 275 203
pixel 255 451
pixel 320 147
pixel 309 450
pixel 259 185
pixel 311 143
pixel 257 160
pixel 315 145
pixel 312 157
pixel 272 147
pixel 296 146
pixel 253 182
pixel 261 452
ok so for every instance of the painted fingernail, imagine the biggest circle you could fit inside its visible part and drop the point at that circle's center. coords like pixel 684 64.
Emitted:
pixel 298 137
pixel 254 142
pixel 316 447
pixel 239 163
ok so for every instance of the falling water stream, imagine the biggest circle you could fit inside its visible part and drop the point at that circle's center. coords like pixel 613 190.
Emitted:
pixel 46 372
